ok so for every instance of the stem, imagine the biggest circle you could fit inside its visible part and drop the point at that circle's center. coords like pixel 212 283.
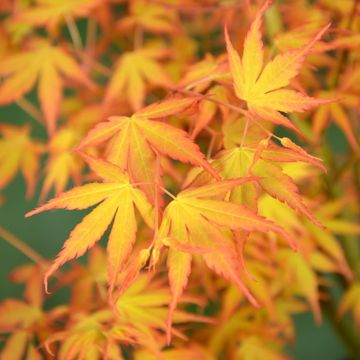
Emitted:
pixel 23 248
pixel 229 106
pixel 90 43
pixel 138 38
pixel 30 109
pixel 74 33
pixel 156 200
pixel 244 133
pixel 167 192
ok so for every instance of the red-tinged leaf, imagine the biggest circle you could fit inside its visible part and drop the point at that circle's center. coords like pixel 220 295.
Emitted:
pixel 50 95
pixel 50 13
pixel 216 188
pixel 252 59
pixel 130 78
pixel 115 193
pixel 121 239
pixel 85 234
pixel 281 186
pixel 236 217
pixel 194 224
pixel 207 111
pixel 166 108
pixel 263 98
pixel 14 313
pixel 179 268
pixel 136 142
pixel 102 131
pixel 19 152
pixel 291 154
pixel 175 143
pixel 284 67
pixel 225 263
pixel 23 69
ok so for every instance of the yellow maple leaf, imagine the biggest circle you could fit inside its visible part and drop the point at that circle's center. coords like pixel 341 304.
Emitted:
pixel 46 64
pixel 133 71
pixel 19 152
pixel 115 192
pixel 262 86
pixel 51 12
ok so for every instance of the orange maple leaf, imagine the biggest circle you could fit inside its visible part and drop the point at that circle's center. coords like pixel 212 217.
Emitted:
pixel 195 223
pixel 46 64
pixel 136 140
pixel 261 86
pixel 51 12
pixel 115 192
pixel 133 72
pixel 19 152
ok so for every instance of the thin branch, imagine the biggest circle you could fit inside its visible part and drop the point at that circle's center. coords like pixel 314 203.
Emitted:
pixel 74 33
pixel 167 192
pixel 229 106
pixel 244 133
pixel 138 38
pixel 30 109
pixel 23 248
pixel 156 200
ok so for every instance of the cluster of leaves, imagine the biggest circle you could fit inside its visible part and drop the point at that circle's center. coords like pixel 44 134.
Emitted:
pixel 221 226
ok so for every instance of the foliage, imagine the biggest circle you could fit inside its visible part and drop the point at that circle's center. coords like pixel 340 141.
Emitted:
pixel 197 134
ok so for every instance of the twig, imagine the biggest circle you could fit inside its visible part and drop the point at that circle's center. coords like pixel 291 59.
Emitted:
pixel 74 33
pixel 30 109
pixel 23 248
pixel 138 38
pixel 244 133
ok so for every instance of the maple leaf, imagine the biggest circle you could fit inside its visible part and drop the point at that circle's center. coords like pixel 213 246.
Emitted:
pixel 19 319
pixel 145 305
pixel 351 302
pixel 266 165
pixel 135 139
pixel 261 86
pixel 255 348
pixel 63 163
pixel 208 109
pixel 46 64
pixel 19 152
pixel 118 198
pixel 339 114
pixel 31 276
pixel 133 71
pixel 149 16
pixel 52 12
pixel 85 336
pixel 305 279
pixel 203 72
pixel 193 223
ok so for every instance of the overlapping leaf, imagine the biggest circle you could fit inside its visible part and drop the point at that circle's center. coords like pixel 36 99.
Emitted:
pixel 195 223
pixel 261 85
pixel 118 199
pixel 45 64
pixel 133 72
pixel 51 12
pixel 134 142
pixel 19 152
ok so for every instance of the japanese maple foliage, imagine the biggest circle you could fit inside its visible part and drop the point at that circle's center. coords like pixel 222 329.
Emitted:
pixel 195 134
